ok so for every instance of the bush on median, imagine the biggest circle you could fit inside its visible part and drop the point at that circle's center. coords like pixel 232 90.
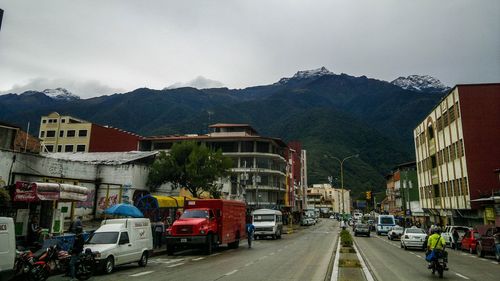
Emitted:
pixel 345 238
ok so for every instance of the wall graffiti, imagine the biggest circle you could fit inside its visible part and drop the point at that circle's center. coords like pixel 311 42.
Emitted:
pixel 89 203
pixel 103 204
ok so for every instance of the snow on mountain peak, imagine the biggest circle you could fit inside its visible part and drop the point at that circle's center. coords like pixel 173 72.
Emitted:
pixel 420 83
pixel 305 74
pixel 60 94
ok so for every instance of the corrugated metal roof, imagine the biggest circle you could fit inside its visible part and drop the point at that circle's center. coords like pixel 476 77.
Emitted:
pixel 111 158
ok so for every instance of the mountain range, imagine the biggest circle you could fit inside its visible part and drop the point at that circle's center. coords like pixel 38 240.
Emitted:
pixel 333 115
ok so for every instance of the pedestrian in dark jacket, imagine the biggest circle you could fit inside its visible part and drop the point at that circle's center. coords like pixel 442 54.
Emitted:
pixel 76 251
pixel 455 237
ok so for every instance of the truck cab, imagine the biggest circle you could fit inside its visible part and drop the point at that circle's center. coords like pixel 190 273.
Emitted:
pixel 207 223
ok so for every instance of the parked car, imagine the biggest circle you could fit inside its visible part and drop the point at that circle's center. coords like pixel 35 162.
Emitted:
pixel 413 238
pixel 363 229
pixel 486 243
pixel 447 234
pixel 306 221
pixel 121 241
pixel 469 241
pixel 395 232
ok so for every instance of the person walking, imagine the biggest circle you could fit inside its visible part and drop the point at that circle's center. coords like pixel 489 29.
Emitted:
pixel 250 232
pixel 33 232
pixel 159 230
pixel 76 251
pixel 455 237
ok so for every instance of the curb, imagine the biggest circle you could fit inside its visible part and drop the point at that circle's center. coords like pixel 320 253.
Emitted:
pixel 367 272
pixel 333 260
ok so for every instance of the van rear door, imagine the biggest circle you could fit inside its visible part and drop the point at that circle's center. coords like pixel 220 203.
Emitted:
pixel 7 246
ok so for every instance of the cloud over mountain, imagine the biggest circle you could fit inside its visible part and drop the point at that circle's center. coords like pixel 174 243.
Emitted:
pixel 199 82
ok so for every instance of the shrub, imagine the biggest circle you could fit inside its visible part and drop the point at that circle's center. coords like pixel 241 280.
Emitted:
pixel 345 238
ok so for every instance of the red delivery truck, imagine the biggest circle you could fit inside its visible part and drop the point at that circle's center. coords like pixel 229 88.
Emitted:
pixel 208 223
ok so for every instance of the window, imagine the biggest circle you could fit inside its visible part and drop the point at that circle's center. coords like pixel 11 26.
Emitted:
pixel 68 148
pixel 457 109
pixel 437 192
pixel 44 121
pixel 439 124
pixel 430 132
pixel 59 148
pixel 452 113
pixel 124 238
pixel 247 146
pixel 51 134
pixel 49 148
pixel 80 148
pixel 42 134
pixel 61 133
pixel 82 133
pixel 262 147
pixel 70 133
pixel 63 120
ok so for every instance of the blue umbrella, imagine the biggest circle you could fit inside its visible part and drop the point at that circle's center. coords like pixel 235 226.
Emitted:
pixel 124 210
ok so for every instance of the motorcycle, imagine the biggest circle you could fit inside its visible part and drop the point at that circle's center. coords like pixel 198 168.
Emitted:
pixel 439 264
pixel 85 265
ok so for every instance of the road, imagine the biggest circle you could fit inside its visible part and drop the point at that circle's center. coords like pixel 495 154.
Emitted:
pixel 389 262
pixel 304 255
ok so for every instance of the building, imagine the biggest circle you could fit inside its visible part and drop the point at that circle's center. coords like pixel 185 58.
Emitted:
pixel 60 133
pixel 296 193
pixel 13 138
pixel 259 171
pixel 457 151
pixel 321 197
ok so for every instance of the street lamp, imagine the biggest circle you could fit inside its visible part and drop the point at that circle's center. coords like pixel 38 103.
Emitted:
pixel 342 175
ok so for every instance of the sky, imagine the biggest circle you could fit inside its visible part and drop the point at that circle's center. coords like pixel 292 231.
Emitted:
pixel 98 47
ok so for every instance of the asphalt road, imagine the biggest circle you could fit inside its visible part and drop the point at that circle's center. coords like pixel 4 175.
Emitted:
pixel 388 261
pixel 303 255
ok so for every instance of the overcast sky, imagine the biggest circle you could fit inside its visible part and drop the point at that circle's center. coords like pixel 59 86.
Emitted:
pixel 96 47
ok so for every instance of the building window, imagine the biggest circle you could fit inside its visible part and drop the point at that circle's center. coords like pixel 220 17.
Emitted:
pixel 82 133
pixel 42 134
pixel 439 124
pixel 457 109
pixel 44 121
pixel 68 148
pixel 63 120
pixel 51 134
pixel 445 119
pixel 49 148
pixel 246 162
pixel 61 133
pixel 70 133
pixel 437 192
pixel 247 146
pixel 464 186
pixel 59 148
pixel 262 147
pixel 80 148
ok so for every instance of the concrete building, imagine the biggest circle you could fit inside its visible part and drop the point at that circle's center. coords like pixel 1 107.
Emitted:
pixel 457 153
pixel 329 198
pixel 259 171
pixel 61 133
pixel 115 177
pixel 13 138
pixel 297 176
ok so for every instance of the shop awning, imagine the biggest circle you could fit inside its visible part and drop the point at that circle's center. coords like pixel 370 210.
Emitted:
pixel 170 201
pixel 45 191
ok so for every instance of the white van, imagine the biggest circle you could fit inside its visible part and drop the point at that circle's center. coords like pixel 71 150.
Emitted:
pixel 7 248
pixel 267 222
pixel 121 241
pixel 384 224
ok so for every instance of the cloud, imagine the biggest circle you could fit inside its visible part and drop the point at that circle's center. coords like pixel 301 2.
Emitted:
pixel 83 89
pixel 199 82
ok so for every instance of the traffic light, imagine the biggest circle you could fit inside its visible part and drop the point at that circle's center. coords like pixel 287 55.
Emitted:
pixel 368 195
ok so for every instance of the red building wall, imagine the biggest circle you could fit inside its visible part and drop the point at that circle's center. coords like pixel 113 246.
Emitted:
pixel 297 147
pixel 480 113
pixel 104 139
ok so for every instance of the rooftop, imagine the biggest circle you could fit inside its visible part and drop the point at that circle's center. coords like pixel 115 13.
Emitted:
pixel 110 158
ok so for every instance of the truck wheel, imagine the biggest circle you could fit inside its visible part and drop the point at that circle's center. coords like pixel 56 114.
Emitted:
pixel 144 259
pixel 109 265
pixel 279 234
pixel 209 244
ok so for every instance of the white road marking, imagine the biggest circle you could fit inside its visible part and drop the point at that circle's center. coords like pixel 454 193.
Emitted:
pixel 249 264
pixel 460 275
pixel 231 272
pixel 464 254
pixel 141 273
pixel 216 254
pixel 198 259
pixel 494 262
pixel 165 261
pixel 177 264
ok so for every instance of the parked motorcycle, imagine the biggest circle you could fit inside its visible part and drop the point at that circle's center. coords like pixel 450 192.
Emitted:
pixel 85 265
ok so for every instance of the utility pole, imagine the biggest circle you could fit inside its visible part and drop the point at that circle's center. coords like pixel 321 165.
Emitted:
pixel 341 162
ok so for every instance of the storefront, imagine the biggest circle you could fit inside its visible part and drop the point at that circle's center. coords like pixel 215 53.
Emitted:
pixel 47 202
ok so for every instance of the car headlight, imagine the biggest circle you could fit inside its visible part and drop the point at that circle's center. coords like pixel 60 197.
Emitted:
pixel 202 231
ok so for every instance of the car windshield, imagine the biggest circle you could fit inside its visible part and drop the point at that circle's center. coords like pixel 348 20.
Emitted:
pixel 194 214
pixel 103 238
pixel 386 221
pixel 259 218
pixel 415 231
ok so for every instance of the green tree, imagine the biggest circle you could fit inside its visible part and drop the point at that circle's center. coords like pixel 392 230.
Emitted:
pixel 195 167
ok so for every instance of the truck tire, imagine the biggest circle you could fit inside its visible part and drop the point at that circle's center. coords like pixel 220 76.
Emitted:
pixel 109 265
pixel 209 244
pixel 144 259
pixel 279 234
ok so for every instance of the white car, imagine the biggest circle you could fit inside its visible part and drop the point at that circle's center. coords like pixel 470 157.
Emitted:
pixel 395 232
pixel 448 233
pixel 413 238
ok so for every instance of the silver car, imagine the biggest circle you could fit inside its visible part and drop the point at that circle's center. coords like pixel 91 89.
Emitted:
pixel 395 232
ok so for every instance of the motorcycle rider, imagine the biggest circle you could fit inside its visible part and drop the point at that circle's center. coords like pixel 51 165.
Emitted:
pixel 437 242
pixel 76 251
